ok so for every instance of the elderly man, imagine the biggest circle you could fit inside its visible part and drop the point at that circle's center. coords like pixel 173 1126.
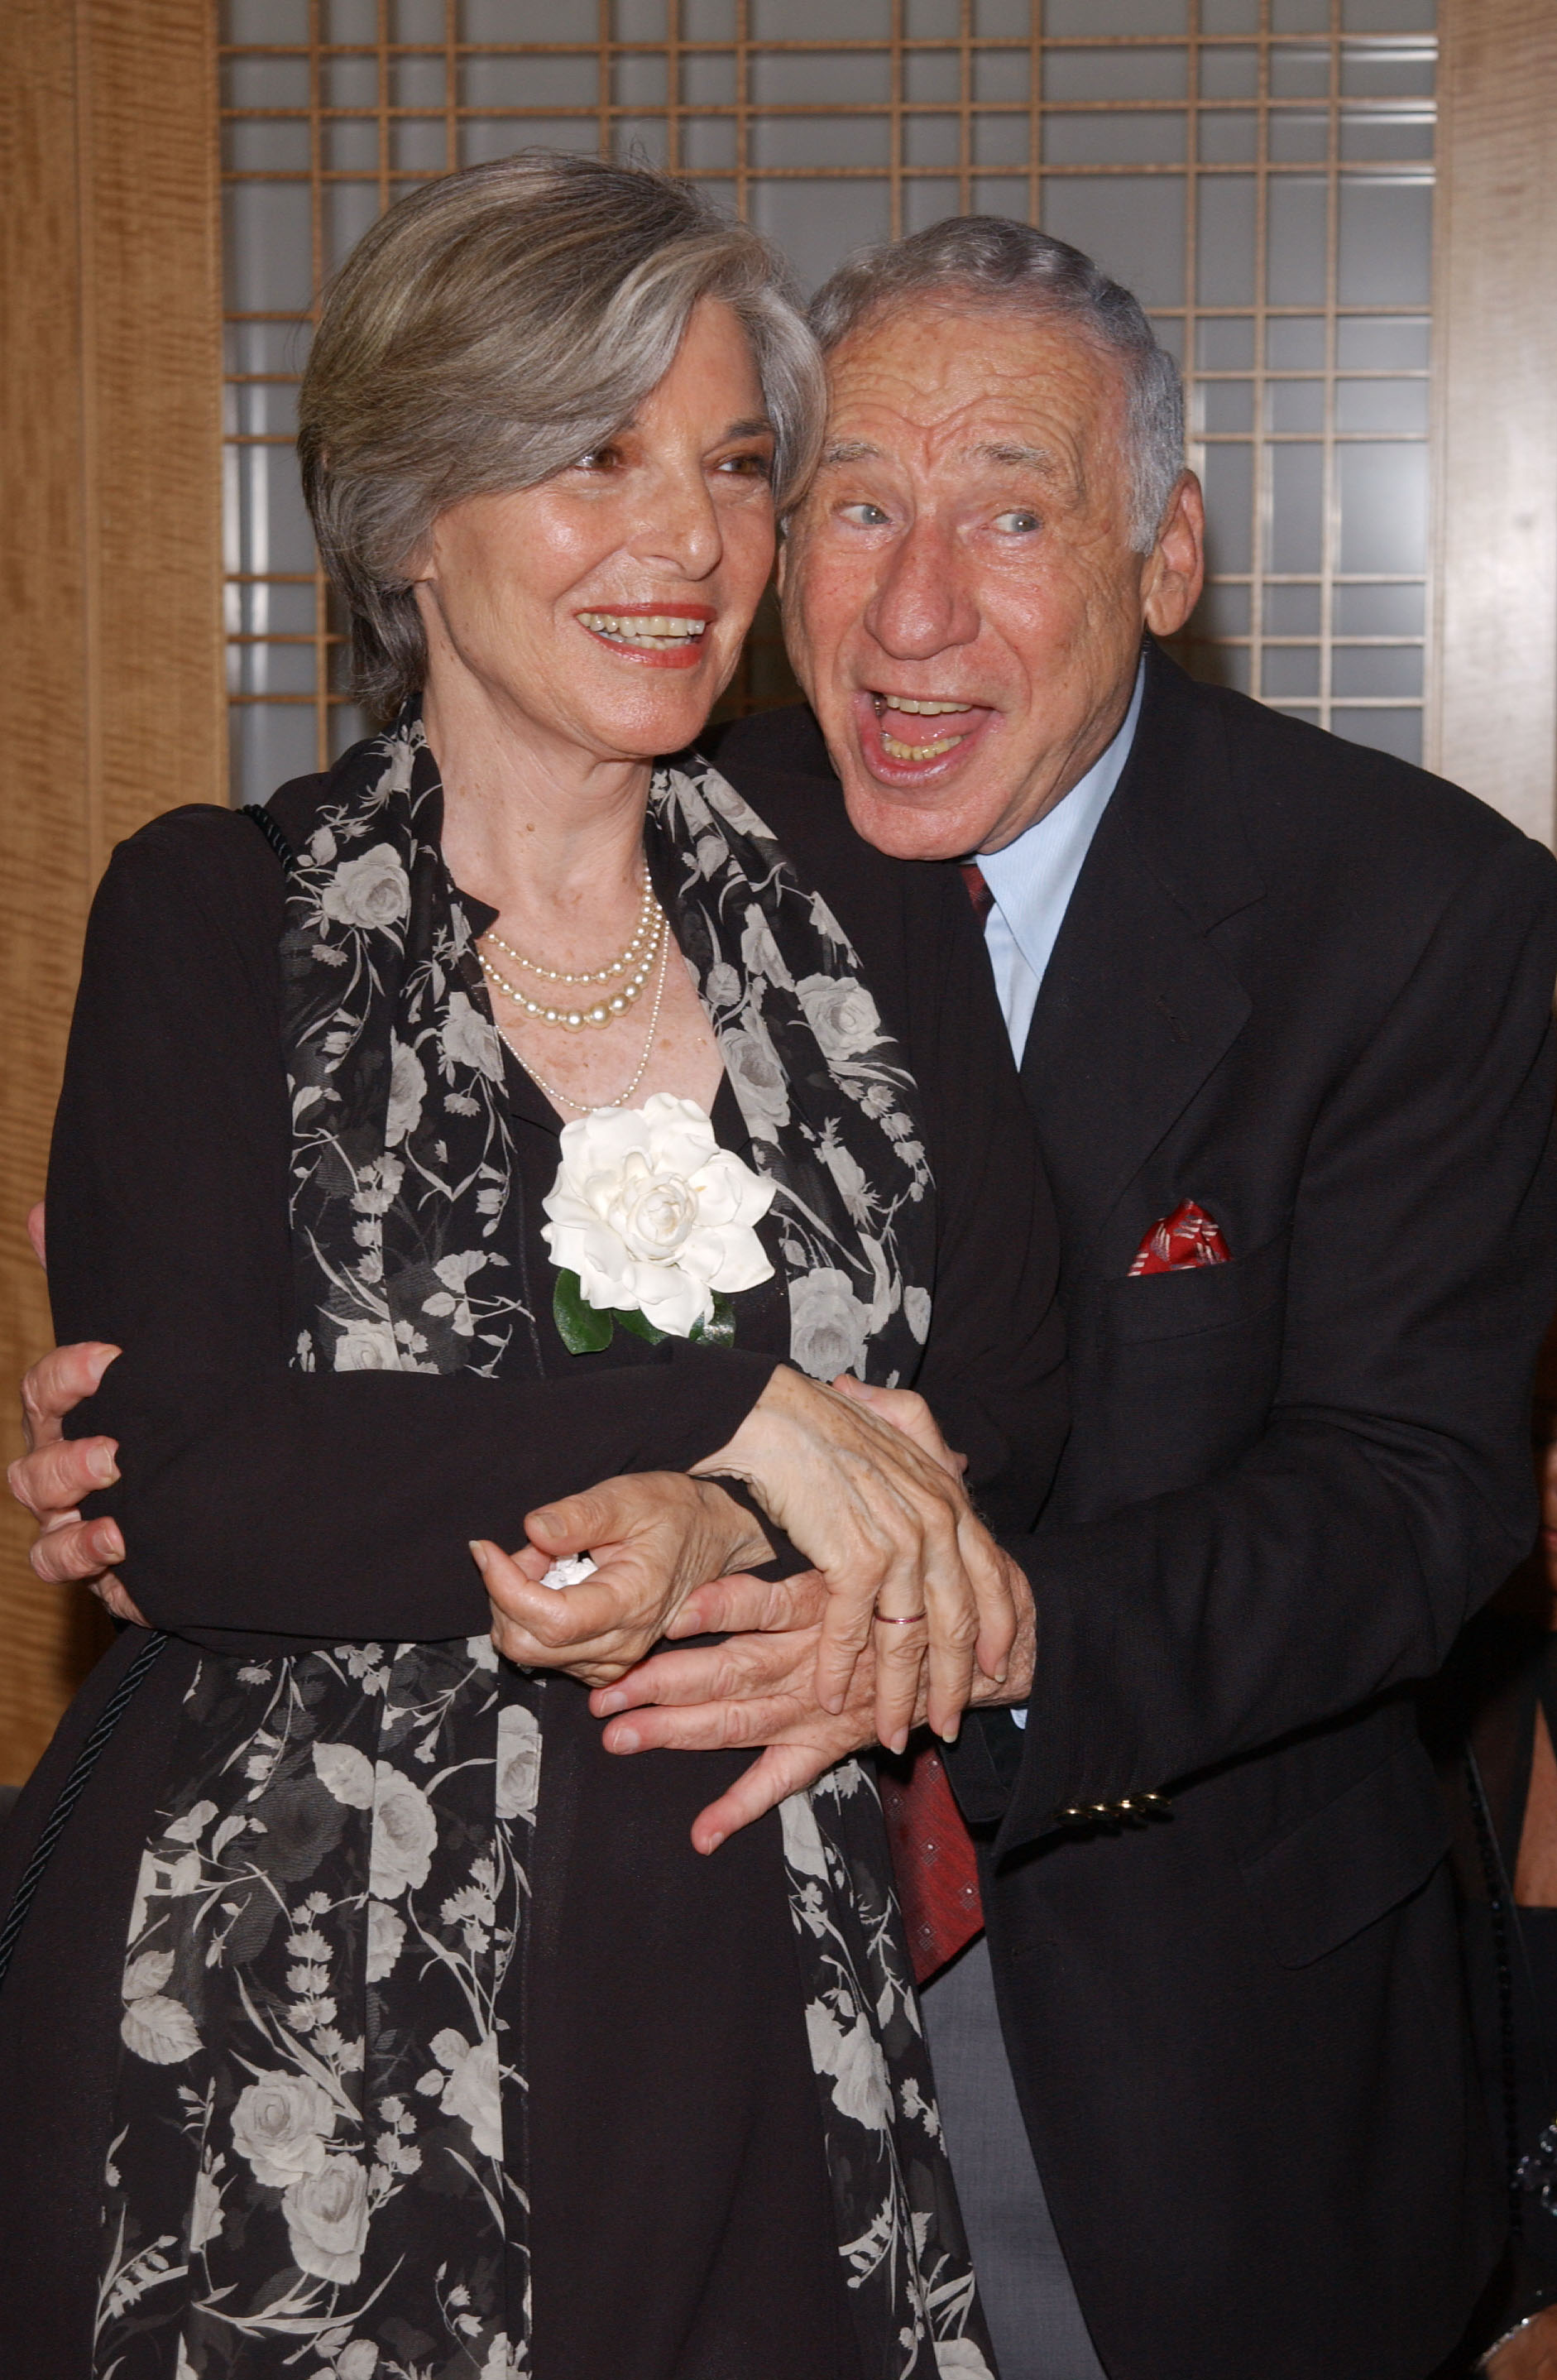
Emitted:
pixel 1280 1006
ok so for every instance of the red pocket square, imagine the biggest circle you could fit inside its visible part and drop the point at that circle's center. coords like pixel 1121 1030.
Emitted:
pixel 1182 1240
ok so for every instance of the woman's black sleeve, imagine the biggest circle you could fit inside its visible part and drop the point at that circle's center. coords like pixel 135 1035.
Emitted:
pixel 993 1371
pixel 254 1498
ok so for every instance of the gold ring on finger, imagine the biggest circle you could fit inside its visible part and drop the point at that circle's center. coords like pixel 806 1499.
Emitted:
pixel 904 1619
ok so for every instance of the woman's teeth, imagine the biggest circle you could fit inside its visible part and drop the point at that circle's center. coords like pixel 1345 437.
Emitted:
pixel 660 632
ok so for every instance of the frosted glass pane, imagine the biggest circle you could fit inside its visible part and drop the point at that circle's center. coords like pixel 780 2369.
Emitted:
pixel 1228 479
pixel 345 210
pixel 1297 509
pixel 1229 16
pixel 424 20
pixel 708 141
pixel 270 669
pixel 258 408
pixel 271 611
pixel 927 202
pixel 639 81
pixel 1289 670
pixel 483 137
pixel 1381 405
pixel 643 140
pixel 1380 611
pixel 1296 218
pixel 1169 335
pixel 522 21
pixel 994 18
pixel 1388 15
pixel 1069 18
pixel 1229 74
pixel 931 140
pixel 820 141
pixel 817 223
pixel 1399 731
pixel 528 82
pixel 1299 74
pixel 350 148
pixel 268 744
pixel 1298 137
pixel 353 82
pixel 265 20
pixel 1392 70
pixel 1154 140
pixel 347 726
pixel 1225 239
pixel 1225 404
pixel 1386 242
pixel 269 245
pixel 639 21
pixel 931 75
pixel 416 82
pixel 1299 15
pixel 1295 405
pixel 1223 610
pixel 1367 134
pixel 273 146
pixel 1004 195
pixel 1229 136
pixel 1002 74
pixel 792 78
pixel 1383 507
pixel 1116 73
pixel 708 81
pixel 1132 225
pixel 1377 670
pixel 1000 140
pixel 826 20
pixel 931 20
pixel 710 20
pixel 419 145
pixel 1382 343
pixel 266 346
pixel 270 529
pixel 1296 344
pixel 1293 610
pixel 1226 344
pixel 264 82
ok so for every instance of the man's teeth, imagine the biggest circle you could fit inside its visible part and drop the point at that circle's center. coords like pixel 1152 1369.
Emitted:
pixel 915 709
pixel 896 751
pixel 657 631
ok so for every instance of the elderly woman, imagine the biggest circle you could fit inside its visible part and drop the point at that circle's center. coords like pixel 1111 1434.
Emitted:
pixel 508 1107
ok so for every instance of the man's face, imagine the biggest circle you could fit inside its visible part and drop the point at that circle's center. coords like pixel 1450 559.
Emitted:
pixel 961 602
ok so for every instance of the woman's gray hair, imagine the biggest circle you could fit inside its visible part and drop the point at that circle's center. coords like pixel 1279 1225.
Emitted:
pixel 492 328
pixel 1001 264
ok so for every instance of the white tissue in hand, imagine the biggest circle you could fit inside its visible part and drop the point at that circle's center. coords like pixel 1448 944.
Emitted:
pixel 571 1570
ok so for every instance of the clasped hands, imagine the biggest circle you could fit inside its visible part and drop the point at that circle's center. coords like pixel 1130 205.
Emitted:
pixel 910 1612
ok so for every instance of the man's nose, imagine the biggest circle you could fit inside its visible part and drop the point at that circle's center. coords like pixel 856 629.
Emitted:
pixel 921 602
pixel 679 524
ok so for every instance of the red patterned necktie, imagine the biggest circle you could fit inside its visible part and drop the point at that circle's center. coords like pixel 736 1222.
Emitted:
pixel 933 1862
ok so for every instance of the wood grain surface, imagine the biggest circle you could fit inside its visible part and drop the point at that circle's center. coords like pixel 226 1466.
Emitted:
pixel 1495 333
pixel 110 475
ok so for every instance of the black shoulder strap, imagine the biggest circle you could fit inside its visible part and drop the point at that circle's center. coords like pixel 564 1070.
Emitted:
pixel 270 831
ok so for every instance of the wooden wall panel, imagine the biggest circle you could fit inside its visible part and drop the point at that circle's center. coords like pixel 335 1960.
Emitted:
pixel 1496 332
pixel 108 594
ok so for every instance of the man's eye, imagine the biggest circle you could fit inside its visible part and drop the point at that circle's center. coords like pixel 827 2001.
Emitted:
pixel 1018 524
pixel 865 515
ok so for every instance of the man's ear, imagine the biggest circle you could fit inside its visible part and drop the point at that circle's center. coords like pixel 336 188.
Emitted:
pixel 1174 569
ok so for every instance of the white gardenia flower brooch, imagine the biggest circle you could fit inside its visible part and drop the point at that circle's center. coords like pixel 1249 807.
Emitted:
pixel 651 1226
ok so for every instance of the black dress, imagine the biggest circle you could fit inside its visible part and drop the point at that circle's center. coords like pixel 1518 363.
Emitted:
pixel 679 2219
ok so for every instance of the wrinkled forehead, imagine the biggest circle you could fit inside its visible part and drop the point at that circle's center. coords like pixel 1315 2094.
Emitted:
pixel 937 378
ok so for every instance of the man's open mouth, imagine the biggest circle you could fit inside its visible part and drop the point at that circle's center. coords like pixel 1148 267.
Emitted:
pixel 914 732
pixel 675 633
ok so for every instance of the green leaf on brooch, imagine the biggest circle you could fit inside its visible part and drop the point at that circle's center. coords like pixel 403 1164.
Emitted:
pixel 639 1325
pixel 582 1329
pixel 720 1329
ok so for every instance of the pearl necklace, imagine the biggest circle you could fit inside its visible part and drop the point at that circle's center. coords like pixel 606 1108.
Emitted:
pixel 618 1098
pixel 639 959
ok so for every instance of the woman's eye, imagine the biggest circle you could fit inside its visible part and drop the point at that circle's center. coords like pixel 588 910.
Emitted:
pixel 598 458
pixel 748 467
pixel 1018 524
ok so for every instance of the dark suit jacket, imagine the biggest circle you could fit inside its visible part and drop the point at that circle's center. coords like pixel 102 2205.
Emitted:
pixel 1311 989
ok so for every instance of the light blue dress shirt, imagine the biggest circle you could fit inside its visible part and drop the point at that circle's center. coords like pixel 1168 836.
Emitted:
pixel 1032 880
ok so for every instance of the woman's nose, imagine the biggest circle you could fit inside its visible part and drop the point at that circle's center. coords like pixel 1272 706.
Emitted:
pixel 681 524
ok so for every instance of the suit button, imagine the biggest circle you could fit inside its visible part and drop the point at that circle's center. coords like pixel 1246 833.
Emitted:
pixel 1102 1809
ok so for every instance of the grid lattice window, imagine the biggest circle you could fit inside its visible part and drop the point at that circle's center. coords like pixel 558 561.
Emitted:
pixel 1259 171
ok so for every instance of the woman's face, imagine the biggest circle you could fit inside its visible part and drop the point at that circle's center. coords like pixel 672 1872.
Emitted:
pixel 605 609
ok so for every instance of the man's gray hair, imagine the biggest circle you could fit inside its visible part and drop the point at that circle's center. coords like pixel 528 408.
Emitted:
pixel 1000 263
pixel 492 328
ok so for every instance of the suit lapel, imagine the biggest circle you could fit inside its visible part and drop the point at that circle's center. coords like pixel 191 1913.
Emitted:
pixel 1137 1007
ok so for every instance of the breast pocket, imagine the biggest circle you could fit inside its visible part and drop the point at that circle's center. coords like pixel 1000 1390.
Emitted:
pixel 1175 1373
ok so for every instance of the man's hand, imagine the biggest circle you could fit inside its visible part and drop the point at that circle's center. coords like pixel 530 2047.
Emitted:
pixel 655 1536
pixel 874 1501
pixel 1530 2354
pixel 56 1474
pixel 759 1688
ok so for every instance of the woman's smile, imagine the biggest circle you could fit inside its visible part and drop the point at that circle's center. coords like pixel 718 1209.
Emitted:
pixel 669 637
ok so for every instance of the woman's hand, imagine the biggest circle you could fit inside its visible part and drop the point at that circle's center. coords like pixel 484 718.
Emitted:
pixel 56 1474
pixel 654 1536
pixel 1530 2354
pixel 876 1504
